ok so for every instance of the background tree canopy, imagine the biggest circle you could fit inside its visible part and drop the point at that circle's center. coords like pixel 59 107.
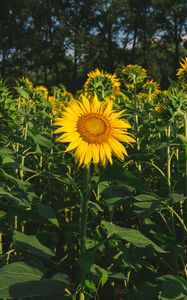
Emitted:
pixel 54 41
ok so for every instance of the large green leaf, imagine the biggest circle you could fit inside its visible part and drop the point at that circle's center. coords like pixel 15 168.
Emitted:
pixel 44 288
pixel 130 235
pixel 14 199
pixel 172 287
pixel 47 213
pixel 16 273
pixel 31 244
pixel 22 93
pixel 117 173
pixel 20 183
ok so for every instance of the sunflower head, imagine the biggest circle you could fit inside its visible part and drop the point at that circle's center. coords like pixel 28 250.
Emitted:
pixel 102 84
pixel 150 87
pixel 182 71
pixel 162 109
pixel 61 93
pixel 25 84
pixel 56 106
pixel 132 75
pixel 93 130
pixel 41 92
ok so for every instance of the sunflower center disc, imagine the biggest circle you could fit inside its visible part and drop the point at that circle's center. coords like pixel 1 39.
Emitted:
pixel 93 128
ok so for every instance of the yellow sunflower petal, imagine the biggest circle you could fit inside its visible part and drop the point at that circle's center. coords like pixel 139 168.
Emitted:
pixel 73 145
pixel 95 154
pixel 108 153
pixel 81 152
pixel 88 155
pixel 102 155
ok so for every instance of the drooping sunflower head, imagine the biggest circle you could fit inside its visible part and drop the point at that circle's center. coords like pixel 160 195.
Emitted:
pixel 132 75
pixel 41 91
pixel 102 84
pixel 94 131
pixel 56 106
pixel 61 93
pixel 162 109
pixel 150 87
pixel 25 84
pixel 182 72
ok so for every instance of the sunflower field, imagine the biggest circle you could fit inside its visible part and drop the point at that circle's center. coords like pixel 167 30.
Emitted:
pixel 93 188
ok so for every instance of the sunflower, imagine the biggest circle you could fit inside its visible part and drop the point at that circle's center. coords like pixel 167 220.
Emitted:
pixel 94 131
pixel 162 109
pixel 41 91
pixel 182 72
pixel 25 83
pixel 132 75
pixel 61 93
pixel 56 106
pixel 151 87
pixel 101 83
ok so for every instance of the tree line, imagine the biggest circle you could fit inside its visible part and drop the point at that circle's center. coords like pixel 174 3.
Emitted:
pixel 53 41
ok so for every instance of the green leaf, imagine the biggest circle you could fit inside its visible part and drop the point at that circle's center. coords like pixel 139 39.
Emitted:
pixel 44 288
pixel 43 141
pixel 177 198
pixel 117 173
pixel 22 93
pixel 31 244
pixel 95 206
pixel 16 200
pixel 20 183
pixel 145 291
pixel 172 287
pixel 47 213
pixel 119 276
pixel 2 213
pixel 183 139
pixel 100 272
pixel 130 235
pixel 90 285
pixel 15 273
pixel 6 152
pixel 146 197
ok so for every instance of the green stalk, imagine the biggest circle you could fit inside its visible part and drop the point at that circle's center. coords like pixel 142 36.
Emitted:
pixel 1 243
pixel 83 221
pixel 169 157
pixel 169 160
pixel 183 114
pixel 136 119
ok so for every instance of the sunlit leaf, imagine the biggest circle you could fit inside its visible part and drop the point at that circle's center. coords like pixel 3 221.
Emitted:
pixel 31 244
pixel 130 235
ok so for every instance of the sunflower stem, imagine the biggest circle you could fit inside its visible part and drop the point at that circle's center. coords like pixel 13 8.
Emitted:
pixel 83 221
pixel 183 114
pixel 169 160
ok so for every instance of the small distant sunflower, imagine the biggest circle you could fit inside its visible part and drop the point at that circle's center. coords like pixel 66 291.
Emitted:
pixel 133 74
pixel 102 84
pixel 25 83
pixel 162 109
pixel 61 93
pixel 56 106
pixel 151 87
pixel 41 90
pixel 120 98
pixel 182 72
pixel 94 130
